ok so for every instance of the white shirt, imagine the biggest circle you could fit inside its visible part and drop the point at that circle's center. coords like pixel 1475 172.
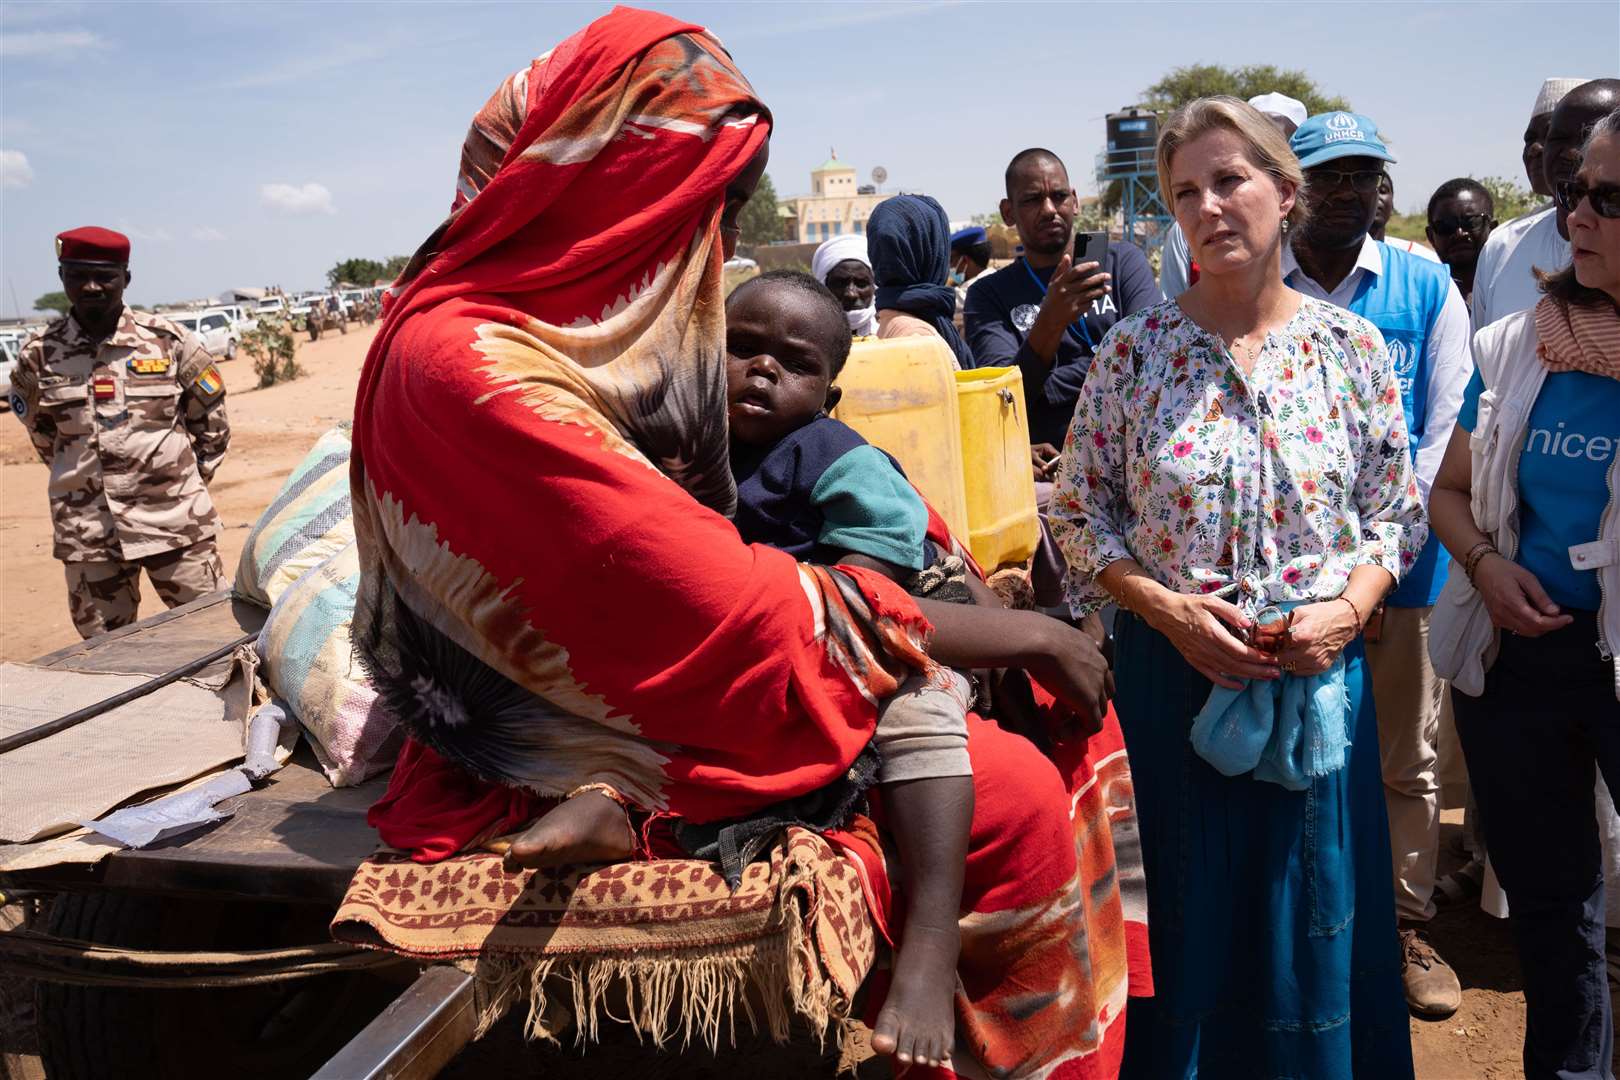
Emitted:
pixel 1175 263
pixel 1448 351
pixel 1412 247
pixel 1504 281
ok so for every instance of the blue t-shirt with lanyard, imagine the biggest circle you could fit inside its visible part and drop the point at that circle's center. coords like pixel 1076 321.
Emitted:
pixel 1569 443
pixel 1001 308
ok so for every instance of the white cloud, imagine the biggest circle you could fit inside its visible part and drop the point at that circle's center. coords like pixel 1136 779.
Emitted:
pixel 54 43
pixel 158 235
pixel 15 172
pixel 207 233
pixel 311 198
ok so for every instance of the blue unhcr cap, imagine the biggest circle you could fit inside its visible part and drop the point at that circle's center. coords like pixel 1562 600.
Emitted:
pixel 973 234
pixel 1327 136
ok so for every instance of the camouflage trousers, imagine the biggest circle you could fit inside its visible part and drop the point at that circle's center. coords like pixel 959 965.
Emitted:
pixel 105 595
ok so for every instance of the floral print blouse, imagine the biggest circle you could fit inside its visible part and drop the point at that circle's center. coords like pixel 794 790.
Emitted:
pixel 1262 488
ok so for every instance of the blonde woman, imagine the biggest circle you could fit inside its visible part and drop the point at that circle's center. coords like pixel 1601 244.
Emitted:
pixel 1237 480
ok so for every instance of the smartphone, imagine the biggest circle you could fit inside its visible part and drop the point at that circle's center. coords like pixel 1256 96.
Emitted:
pixel 1091 247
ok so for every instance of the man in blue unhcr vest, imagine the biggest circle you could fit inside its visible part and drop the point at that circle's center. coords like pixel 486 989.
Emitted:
pixel 1424 321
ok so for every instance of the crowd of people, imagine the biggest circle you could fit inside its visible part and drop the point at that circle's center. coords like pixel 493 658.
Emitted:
pixel 1316 504
pixel 1267 428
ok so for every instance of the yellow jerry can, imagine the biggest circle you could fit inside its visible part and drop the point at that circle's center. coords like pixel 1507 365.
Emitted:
pixel 900 395
pixel 998 481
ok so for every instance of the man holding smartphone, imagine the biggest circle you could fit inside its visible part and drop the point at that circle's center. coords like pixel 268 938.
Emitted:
pixel 1047 312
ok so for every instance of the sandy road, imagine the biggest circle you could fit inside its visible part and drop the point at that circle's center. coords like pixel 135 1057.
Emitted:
pixel 271 430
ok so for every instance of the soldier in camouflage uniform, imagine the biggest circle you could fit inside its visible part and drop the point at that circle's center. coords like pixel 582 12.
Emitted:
pixel 128 410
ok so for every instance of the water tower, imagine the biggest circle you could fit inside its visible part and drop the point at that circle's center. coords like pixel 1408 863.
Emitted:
pixel 1129 159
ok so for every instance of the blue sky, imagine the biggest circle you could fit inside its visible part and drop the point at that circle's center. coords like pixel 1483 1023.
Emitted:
pixel 251 143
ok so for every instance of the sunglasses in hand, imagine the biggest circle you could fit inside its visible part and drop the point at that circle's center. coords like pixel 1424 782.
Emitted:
pixel 1605 197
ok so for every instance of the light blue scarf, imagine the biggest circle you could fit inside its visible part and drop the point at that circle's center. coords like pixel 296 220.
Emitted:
pixel 1287 731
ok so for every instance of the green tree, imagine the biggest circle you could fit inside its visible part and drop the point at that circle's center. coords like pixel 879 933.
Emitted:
pixel 759 220
pixel 356 272
pixel 395 266
pixel 53 301
pixel 1183 84
pixel 1509 198
pixel 271 347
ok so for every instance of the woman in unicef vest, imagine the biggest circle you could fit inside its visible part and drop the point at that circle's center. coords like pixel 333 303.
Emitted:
pixel 1525 502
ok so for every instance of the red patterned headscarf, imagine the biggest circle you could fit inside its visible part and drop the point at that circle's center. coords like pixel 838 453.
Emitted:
pixel 550 594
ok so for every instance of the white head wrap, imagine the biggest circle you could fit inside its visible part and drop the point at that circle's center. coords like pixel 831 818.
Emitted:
pixel 1276 104
pixel 1552 92
pixel 829 255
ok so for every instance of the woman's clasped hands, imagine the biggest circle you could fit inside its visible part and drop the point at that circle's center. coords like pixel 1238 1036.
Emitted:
pixel 1209 632
pixel 1213 635
pixel 1317 635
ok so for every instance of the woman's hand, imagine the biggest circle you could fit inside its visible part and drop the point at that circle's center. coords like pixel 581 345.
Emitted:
pixel 1070 665
pixel 1198 626
pixel 1317 635
pixel 1515 599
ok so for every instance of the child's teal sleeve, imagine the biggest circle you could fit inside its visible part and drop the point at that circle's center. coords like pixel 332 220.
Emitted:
pixel 869 508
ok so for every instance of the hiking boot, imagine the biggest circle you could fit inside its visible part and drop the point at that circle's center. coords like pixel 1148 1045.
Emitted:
pixel 1432 990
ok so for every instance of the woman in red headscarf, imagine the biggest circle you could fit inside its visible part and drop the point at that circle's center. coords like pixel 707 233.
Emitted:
pixel 555 604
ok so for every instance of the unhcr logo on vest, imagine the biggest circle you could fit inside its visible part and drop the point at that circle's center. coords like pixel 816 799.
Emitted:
pixel 1342 127
pixel 1403 357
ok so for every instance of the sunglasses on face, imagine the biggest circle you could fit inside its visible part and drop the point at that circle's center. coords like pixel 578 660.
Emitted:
pixel 1466 223
pixel 1363 181
pixel 1605 197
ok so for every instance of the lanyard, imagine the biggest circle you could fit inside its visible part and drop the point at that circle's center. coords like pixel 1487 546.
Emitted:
pixel 1079 325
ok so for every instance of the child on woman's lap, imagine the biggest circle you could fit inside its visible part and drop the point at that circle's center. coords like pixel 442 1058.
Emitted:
pixel 812 487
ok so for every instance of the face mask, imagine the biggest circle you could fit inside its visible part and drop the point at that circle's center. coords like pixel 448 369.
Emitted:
pixel 957 277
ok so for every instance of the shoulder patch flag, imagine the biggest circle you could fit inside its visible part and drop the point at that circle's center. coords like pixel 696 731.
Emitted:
pixel 209 383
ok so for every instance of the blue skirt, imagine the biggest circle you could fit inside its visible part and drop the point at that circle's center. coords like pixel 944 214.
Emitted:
pixel 1271 913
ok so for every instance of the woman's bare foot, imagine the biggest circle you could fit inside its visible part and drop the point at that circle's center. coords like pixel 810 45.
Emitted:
pixel 589 828
pixel 918 1021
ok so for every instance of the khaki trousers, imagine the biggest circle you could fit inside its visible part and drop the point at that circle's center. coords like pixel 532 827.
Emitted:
pixel 1413 703
pixel 106 594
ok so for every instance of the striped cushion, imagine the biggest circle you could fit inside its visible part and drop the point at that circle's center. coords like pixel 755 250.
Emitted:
pixel 309 520
pixel 309 663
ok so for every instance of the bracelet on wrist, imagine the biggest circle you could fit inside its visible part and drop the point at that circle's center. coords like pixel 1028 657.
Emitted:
pixel 1475 556
pixel 1360 622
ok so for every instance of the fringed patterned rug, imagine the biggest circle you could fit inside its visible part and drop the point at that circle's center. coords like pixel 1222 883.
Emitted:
pixel 664 940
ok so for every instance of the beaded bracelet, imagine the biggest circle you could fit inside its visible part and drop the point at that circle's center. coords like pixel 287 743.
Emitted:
pixel 1359 621
pixel 1475 555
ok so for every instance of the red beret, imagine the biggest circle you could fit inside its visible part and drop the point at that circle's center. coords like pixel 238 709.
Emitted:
pixel 92 244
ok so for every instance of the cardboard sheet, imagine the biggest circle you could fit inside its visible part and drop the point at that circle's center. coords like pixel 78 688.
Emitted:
pixel 167 737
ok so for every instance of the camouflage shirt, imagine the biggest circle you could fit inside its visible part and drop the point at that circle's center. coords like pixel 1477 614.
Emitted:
pixel 132 428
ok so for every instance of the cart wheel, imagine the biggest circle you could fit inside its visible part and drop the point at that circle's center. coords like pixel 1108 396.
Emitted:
pixel 252 1033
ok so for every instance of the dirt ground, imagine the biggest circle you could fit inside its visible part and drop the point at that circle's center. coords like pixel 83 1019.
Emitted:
pixel 271 431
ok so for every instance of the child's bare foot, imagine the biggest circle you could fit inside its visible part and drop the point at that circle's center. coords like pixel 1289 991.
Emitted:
pixel 589 828
pixel 918 1022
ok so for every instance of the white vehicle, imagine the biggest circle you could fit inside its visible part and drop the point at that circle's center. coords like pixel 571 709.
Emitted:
pixel 8 360
pixel 214 327
pixel 272 305
pixel 241 317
